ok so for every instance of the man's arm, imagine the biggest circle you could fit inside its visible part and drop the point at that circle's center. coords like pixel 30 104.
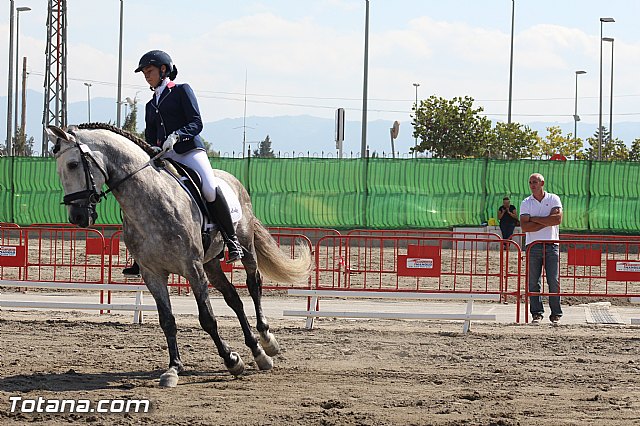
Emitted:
pixel 528 226
pixel 500 213
pixel 554 218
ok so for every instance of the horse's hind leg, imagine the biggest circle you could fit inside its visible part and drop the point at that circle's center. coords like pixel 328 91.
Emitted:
pixel 254 285
pixel 199 285
pixel 158 288
pixel 231 297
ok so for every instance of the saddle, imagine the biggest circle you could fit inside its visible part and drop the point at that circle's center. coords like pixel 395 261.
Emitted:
pixel 191 182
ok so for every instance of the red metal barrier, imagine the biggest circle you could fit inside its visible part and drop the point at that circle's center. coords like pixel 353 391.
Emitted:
pixel 419 233
pixel 597 268
pixel 419 264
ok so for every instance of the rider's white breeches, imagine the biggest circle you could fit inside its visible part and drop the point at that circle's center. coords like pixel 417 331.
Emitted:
pixel 197 159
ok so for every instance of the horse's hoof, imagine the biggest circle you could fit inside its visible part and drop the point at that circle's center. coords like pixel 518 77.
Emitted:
pixel 238 367
pixel 269 344
pixel 264 361
pixel 169 379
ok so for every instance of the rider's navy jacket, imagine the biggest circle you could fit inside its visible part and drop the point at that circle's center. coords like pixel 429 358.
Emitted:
pixel 176 111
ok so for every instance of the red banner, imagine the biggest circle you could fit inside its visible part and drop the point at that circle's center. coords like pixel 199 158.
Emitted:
pixel 623 270
pixel 13 256
pixel 584 257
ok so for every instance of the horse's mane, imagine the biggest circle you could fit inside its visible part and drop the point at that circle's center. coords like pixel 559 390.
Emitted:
pixel 127 134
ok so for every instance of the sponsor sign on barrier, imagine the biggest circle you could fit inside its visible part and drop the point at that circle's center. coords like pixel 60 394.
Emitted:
pixel 623 270
pixel 13 256
pixel 420 261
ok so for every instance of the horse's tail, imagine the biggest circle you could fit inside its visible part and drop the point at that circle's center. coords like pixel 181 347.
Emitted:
pixel 274 263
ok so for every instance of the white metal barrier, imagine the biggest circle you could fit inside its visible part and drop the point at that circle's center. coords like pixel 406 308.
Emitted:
pixel 138 307
pixel 315 295
pixel 635 321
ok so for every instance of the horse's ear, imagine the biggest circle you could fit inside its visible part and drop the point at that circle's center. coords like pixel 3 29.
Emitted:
pixel 56 134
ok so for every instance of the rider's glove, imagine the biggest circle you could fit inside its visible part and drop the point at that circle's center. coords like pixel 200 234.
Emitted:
pixel 171 140
pixel 155 150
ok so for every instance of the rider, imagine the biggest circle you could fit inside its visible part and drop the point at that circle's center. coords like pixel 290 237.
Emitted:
pixel 173 125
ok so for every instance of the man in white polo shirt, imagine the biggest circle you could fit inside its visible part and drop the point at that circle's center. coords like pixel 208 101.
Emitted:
pixel 540 217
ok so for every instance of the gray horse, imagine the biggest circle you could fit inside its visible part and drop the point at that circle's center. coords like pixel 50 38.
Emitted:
pixel 162 230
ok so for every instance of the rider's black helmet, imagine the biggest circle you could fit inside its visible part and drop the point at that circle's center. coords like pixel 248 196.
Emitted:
pixel 158 58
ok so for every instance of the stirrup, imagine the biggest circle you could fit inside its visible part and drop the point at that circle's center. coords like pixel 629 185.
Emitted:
pixel 235 250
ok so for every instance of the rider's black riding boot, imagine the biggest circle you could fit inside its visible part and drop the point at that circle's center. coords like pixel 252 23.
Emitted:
pixel 133 270
pixel 219 209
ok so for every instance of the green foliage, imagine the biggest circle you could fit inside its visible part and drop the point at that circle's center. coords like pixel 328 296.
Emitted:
pixel 513 140
pixel 614 150
pixel 451 128
pixel 634 153
pixel 557 143
pixel 264 149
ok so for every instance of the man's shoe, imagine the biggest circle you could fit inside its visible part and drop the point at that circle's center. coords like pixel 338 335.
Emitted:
pixel 555 319
pixel 536 319
pixel 132 271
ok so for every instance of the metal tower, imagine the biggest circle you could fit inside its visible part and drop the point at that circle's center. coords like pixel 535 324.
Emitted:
pixel 55 75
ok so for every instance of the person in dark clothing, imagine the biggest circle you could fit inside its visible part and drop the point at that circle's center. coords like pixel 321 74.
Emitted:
pixel 172 127
pixel 508 217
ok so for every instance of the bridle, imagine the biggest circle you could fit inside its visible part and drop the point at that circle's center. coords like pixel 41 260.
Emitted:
pixel 90 197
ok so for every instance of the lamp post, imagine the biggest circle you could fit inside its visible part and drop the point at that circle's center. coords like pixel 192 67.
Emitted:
pixel 602 21
pixel 88 102
pixel 363 143
pixel 416 85
pixel 119 101
pixel 15 115
pixel 576 117
pixel 10 81
pixel 609 39
pixel 513 14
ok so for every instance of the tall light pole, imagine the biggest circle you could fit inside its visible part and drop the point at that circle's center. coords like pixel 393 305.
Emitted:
pixel 602 21
pixel 513 15
pixel 363 143
pixel 119 101
pixel 10 81
pixel 15 116
pixel 609 39
pixel 416 85
pixel 576 117
pixel 88 102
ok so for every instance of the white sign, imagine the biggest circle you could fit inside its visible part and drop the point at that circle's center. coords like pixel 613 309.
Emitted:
pixel 7 251
pixel 627 266
pixel 419 263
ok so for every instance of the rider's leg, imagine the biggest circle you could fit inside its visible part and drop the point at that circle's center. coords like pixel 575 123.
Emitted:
pixel 133 270
pixel 219 209
pixel 217 204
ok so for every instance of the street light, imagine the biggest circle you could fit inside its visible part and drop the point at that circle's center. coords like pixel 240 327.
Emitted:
pixel 119 101
pixel 602 21
pixel 88 102
pixel 513 14
pixel 363 143
pixel 15 117
pixel 416 85
pixel 10 81
pixel 576 117
pixel 609 39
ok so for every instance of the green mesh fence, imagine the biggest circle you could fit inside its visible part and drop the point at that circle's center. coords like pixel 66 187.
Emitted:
pixel 373 193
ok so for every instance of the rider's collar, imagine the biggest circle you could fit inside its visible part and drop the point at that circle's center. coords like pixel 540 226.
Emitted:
pixel 158 90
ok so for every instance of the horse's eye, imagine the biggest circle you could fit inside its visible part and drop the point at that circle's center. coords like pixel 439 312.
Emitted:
pixel 73 165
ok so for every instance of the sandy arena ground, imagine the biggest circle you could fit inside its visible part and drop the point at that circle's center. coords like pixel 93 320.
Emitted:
pixel 343 372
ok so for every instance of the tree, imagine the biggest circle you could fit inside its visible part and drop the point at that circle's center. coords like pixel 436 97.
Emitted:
pixel 615 150
pixel 264 149
pixel 634 153
pixel 209 148
pixel 131 120
pixel 557 143
pixel 513 141
pixel 22 145
pixel 451 128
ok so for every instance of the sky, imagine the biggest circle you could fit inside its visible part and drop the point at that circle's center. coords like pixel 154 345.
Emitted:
pixel 306 57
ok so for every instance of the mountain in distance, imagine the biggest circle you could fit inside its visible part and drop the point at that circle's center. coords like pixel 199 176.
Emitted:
pixel 300 134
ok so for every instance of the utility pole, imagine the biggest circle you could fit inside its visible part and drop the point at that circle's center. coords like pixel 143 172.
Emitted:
pixel 23 119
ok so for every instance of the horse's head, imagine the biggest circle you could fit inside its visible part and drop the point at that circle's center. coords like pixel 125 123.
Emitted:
pixel 82 173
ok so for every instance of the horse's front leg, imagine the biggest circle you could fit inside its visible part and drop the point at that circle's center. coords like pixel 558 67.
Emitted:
pixel 231 297
pixel 200 286
pixel 254 285
pixel 157 285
